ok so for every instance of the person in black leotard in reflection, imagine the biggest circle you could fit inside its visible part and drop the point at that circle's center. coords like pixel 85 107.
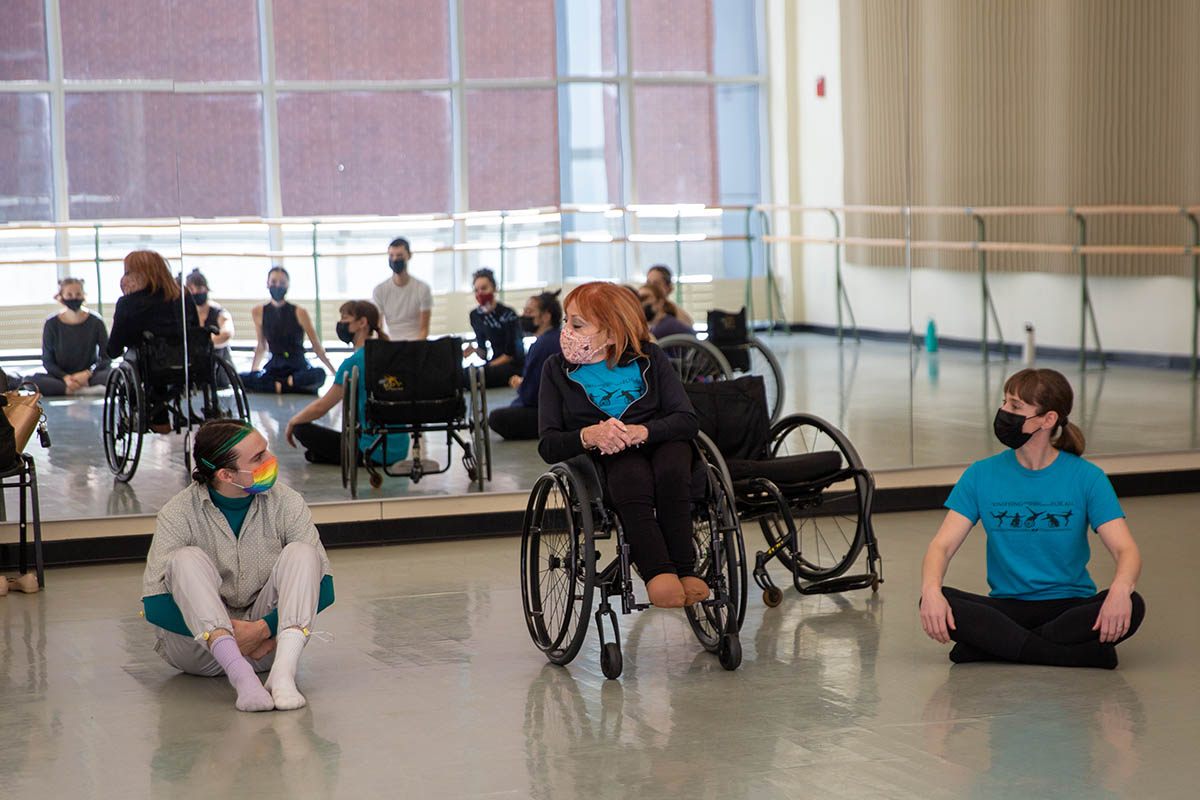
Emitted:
pixel 281 328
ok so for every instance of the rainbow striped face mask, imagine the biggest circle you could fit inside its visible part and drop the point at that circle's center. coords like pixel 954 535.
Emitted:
pixel 264 477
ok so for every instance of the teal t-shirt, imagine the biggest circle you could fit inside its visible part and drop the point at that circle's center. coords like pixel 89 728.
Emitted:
pixel 234 509
pixel 397 443
pixel 611 389
pixel 1036 522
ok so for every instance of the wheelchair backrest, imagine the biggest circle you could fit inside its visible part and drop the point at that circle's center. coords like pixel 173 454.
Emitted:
pixel 734 415
pixel 415 371
pixel 161 358
pixel 725 329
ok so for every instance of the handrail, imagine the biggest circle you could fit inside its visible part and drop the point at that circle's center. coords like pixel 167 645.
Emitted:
pixel 999 247
pixel 992 211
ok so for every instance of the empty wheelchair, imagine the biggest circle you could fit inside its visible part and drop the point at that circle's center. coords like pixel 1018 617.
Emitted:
pixel 413 388
pixel 567 516
pixel 801 479
pixel 746 354
pixel 165 384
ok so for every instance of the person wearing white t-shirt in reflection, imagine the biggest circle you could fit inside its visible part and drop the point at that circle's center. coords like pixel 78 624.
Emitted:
pixel 405 302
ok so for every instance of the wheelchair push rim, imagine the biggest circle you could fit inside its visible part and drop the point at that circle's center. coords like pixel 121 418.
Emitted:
pixel 123 422
pixel 349 441
pixel 558 569
pixel 718 563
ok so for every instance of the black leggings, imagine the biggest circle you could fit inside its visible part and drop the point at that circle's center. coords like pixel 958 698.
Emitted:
pixel 1051 632
pixel 514 422
pixel 645 479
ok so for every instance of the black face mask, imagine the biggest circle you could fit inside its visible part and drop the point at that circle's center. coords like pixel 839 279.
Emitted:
pixel 648 310
pixel 74 303
pixel 343 332
pixel 1007 427
pixel 200 297
pixel 527 324
pixel 398 266
pixel 277 292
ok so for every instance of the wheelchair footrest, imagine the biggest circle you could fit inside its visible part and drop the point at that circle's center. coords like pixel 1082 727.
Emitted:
pixel 402 469
pixel 846 583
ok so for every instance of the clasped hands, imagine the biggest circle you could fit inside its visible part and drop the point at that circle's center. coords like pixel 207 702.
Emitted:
pixel 253 638
pixel 613 436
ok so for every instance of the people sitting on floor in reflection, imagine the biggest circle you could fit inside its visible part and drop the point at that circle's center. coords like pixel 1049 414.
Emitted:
pixel 236 572
pixel 359 322
pixel 281 327
pixel 498 329
pixel 74 346
pixel 211 315
pixel 1036 500
pixel 151 303
pixel 541 318
pixel 613 393
pixel 405 301
pixel 660 275
pixel 657 309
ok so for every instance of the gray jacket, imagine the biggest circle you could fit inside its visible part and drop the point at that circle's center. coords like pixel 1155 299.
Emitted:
pixel 190 519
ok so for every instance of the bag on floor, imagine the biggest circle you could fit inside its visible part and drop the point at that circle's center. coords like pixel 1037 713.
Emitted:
pixel 8 439
pixel 22 413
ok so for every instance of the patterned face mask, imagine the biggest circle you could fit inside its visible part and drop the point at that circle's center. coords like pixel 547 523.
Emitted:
pixel 264 477
pixel 576 348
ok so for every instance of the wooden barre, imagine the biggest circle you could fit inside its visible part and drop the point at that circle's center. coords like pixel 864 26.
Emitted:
pixel 997 247
pixel 993 211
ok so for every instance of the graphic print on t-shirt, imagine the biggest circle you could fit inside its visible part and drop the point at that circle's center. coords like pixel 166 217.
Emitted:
pixel 612 390
pixel 1026 516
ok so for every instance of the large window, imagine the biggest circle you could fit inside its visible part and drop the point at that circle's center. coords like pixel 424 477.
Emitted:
pixel 140 109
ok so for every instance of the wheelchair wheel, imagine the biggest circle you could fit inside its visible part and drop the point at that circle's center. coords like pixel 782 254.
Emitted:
pixel 124 420
pixel 229 402
pixel 486 455
pixel 831 526
pixel 708 449
pixel 349 453
pixel 695 361
pixel 558 566
pixel 763 362
pixel 473 461
pixel 722 567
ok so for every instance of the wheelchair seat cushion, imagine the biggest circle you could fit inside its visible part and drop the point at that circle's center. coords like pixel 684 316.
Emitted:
pixel 785 470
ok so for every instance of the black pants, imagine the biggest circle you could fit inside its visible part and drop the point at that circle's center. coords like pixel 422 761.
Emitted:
pixel 51 386
pixel 495 376
pixel 305 379
pixel 514 422
pixel 647 479
pixel 322 445
pixel 1051 632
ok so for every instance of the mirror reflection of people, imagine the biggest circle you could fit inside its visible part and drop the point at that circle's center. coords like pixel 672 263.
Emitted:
pixel 660 275
pixel 404 301
pixel 74 345
pixel 613 392
pixel 660 312
pixel 1036 501
pixel 211 315
pixel 322 445
pixel 281 327
pixel 236 572
pixel 496 327
pixel 542 318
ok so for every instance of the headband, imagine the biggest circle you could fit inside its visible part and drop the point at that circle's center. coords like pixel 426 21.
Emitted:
pixel 229 444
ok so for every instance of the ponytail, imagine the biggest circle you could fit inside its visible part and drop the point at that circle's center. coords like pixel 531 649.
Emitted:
pixel 1070 438
pixel 365 309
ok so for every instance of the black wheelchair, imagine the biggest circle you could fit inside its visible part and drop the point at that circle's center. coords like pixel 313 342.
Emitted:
pixel 746 354
pixel 567 515
pixel 801 479
pixel 414 388
pixel 694 360
pixel 159 380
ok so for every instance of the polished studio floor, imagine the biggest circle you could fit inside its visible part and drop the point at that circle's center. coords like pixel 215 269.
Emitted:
pixel 943 415
pixel 432 689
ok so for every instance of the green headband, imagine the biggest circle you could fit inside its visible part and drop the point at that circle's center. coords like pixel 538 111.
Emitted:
pixel 230 443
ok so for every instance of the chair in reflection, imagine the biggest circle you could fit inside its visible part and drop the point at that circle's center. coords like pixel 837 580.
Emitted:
pixel 153 386
pixel 568 514
pixel 695 361
pixel 22 476
pixel 414 388
pixel 801 479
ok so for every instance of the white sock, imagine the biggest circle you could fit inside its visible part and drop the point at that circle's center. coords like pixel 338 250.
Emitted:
pixel 281 683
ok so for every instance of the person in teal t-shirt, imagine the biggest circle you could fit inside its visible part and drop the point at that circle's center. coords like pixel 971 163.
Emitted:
pixel 1036 501
pixel 359 322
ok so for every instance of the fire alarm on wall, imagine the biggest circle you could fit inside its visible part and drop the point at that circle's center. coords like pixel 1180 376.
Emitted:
pixel 820 86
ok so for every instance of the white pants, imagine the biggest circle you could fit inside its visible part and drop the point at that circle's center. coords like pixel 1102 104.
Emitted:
pixel 193 580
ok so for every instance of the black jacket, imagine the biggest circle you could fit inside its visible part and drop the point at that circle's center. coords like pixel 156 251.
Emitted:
pixel 564 407
pixel 143 311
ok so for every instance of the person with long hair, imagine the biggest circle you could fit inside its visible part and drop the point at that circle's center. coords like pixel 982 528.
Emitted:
pixel 236 572
pixel 150 303
pixel 280 327
pixel 211 314
pixel 658 310
pixel 1036 501
pixel 613 393
pixel 660 275
pixel 359 322
pixel 74 345
pixel 542 318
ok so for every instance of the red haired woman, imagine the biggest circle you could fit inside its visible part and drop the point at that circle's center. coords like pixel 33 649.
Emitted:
pixel 611 391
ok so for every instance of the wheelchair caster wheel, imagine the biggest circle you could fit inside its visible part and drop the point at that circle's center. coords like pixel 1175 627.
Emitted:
pixel 376 481
pixel 610 660
pixel 772 596
pixel 729 653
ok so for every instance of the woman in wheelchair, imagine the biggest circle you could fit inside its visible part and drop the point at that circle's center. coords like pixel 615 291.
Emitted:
pixel 612 392
pixel 359 322
pixel 281 327
pixel 1036 501
pixel 150 304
